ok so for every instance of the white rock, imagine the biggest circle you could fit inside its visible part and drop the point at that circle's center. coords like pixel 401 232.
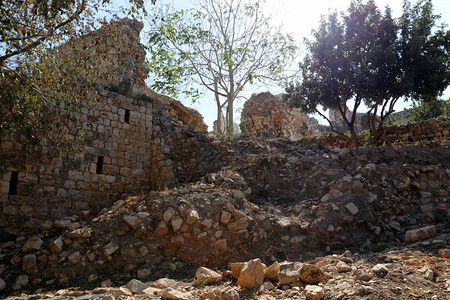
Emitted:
pixel 252 274
pixel 352 208
pixel 313 292
pixel 206 276
pixel 136 286
pixel 379 268
pixel 173 294
pixel 192 217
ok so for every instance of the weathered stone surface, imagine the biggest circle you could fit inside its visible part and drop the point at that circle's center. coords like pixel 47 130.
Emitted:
pixel 176 223
pixel 163 283
pixel 252 274
pixel 162 229
pixel 192 217
pixel 22 280
pixel 110 249
pixel 136 286
pixel 225 217
pixel 379 268
pixel 420 233
pixel 342 267
pixel 238 225
pixel 352 208
pixel 28 262
pixel 173 294
pixel 152 291
pixel 32 244
pixel 288 273
pixel 143 273
pixel 313 292
pixel 311 274
pixel 132 221
pixel 206 276
pixel 74 258
pixel 236 269
pixel 168 214
pixel 271 272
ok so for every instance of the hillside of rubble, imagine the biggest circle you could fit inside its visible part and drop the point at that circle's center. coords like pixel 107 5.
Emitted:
pixel 278 201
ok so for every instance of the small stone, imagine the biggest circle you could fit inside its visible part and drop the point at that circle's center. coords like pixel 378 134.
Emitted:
pixel 192 217
pixel 288 273
pixel 236 269
pixel 298 239
pixel 132 221
pixel 168 214
pixel 363 276
pixel 225 217
pixel 176 224
pixel 22 280
pixel 237 194
pixel 313 292
pixel 173 294
pixel 271 272
pixel 352 208
pixel 73 226
pixel 46 226
pixel 342 267
pixel 106 283
pixel 92 278
pixel 151 291
pixel 252 274
pixel 143 273
pixel 136 286
pixel 162 228
pixel 206 276
pixel 444 253
pixel 57 245
pixel 312 274
pixel 32 244
pixel 74 258
pixel 379 268
pixel 429 274
pixel 28 262
pixel 238 225
pixel 163 283
pixel 420 233
pixel 110 249
pixel 122 292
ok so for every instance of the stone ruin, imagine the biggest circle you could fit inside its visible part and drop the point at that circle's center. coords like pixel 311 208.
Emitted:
pixel 144 141
pixel 269 116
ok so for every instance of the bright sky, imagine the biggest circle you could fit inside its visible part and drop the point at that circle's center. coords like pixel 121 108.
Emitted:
pixel 299 17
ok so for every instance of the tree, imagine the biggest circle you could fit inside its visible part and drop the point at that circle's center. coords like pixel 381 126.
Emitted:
pixel 45 89
pixel 366 58
pixel 429 110
pixel 223 46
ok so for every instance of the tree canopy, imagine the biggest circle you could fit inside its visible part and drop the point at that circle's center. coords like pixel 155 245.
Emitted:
pixel 223 46
pixel 364 57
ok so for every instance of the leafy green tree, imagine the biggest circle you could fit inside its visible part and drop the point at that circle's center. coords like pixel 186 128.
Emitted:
pixel 428 110
pixel 224 46
pixel 365 58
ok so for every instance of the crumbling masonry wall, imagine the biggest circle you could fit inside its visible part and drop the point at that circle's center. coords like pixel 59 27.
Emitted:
pixel 143 141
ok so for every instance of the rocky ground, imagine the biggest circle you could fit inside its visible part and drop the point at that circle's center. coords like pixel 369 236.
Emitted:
pixel 329 223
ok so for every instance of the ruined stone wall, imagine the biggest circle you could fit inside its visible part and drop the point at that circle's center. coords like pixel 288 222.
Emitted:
pixel 143 141
pixel 269 116
pixel 430 130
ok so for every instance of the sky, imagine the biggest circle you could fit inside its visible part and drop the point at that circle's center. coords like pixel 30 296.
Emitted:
pixel 299 18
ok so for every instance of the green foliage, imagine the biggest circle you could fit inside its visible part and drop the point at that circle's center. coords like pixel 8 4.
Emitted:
pixel 364 56
pixel 223 46
pixel 429 110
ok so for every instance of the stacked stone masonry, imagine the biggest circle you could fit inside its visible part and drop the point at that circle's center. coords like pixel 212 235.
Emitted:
pixel 143 141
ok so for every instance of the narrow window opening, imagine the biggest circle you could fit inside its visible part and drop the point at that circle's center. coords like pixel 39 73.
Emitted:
pixel 127 116
pixel 100 165
pixel 13 183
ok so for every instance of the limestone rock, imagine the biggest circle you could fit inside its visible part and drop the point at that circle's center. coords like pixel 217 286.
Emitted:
pixel 311 274
pixel 206 276
pixel 313 292
pixel 252 274
pixel 28 262
pixel 168 214
pixel 176 224
pixel 152 291
pixel 163 283
pixel 379 268
pixel 136 286
pixel 132 221
pixel 342 267
pixel 57 245
pixel 352 208
pixel 192 217
pixel 32 244
pixel 288 273
pixel 238 225
pixel 162 228
pixel 173 294
pixel 74 258
pixel 271 272
pixel 110 249
pixel 236 269
pixel 420 233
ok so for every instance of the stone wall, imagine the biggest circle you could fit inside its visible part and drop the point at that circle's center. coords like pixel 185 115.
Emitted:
pixel 430 130
pixel 269 116
pixel 143 141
